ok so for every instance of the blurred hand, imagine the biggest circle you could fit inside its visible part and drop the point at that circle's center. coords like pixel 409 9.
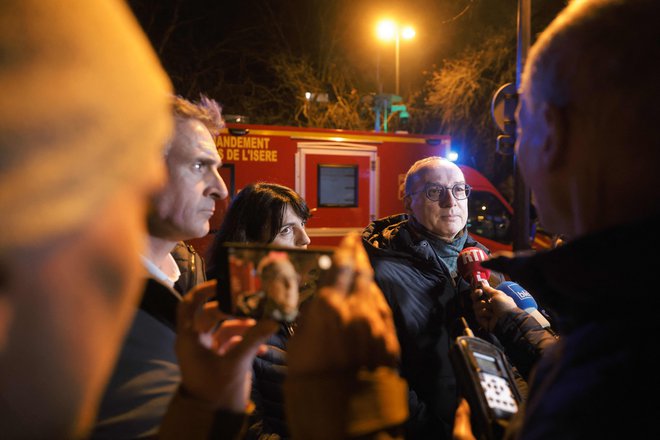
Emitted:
pixel 462 425
pixel 215 354
pixel 489 305
pixel 348 325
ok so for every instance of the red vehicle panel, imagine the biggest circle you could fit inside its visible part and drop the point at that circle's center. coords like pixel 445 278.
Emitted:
pixel 347 177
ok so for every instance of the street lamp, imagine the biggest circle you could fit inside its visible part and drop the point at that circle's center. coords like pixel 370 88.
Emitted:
pixel 387 30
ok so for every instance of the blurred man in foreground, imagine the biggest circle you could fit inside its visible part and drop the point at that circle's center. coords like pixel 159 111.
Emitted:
pixel 588 148
pixel 84 114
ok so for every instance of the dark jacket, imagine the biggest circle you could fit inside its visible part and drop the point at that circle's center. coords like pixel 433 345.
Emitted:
pixel 147 373
pixel 599 380
pixel 268 419
pixel 523 339
pixel 424 298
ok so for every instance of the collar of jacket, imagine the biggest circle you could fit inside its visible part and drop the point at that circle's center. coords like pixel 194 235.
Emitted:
pixel 446 251
pixel 393 237
pixel 161 302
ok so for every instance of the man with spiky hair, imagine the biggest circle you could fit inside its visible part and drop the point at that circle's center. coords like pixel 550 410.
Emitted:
pixel 147 374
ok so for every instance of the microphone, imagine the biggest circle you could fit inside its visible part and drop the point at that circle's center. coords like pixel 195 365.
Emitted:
pixel 524 300
pixel 469 267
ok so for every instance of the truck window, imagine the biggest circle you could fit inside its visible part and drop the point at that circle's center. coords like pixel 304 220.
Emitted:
pixel 488 217
pixel 337 186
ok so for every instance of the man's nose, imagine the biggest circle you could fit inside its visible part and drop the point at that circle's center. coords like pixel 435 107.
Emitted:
pixel 217 188
pixel 447 200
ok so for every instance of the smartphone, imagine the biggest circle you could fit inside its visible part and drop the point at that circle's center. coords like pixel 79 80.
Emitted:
pixel 486 381
pixel 258 281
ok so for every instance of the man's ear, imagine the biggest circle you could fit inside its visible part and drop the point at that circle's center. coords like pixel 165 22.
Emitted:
pixel 6 319
pixel 407 201
pixel 6 307
pixel 555 146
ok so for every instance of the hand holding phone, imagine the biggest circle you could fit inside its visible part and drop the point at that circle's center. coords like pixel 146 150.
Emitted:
pixel 206 343
pixel 348 324
pixel 345 336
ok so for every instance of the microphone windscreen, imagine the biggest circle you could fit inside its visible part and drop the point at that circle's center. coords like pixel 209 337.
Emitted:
pixel 524 300
pixel 522 297
pixel 469 266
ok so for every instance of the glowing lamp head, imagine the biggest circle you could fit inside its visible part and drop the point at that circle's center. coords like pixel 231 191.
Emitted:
pixel 386 30
pixel 408 33
pixel 452 156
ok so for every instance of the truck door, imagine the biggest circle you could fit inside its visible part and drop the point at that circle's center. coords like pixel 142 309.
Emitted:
pixel 339 183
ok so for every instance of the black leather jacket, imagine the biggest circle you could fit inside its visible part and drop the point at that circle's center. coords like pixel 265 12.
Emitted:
pixel 426 302
pixel 268 420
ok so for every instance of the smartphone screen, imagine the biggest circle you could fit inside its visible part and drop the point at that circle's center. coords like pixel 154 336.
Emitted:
pixel 268 281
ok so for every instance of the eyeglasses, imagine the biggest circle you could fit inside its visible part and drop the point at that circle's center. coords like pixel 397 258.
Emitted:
pixel 434 193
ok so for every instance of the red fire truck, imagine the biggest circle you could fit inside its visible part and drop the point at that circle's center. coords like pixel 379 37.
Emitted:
pixel 347 178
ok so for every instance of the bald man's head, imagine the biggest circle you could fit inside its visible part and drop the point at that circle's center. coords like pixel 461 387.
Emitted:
pixel 436 196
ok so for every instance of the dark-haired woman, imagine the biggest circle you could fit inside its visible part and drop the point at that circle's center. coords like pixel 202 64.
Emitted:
pixel 271 214
pixel 264 213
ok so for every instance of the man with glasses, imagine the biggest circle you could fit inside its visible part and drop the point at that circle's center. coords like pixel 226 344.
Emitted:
pixel 414 258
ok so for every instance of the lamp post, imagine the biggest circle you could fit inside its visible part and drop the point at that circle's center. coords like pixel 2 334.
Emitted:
pixel 388 30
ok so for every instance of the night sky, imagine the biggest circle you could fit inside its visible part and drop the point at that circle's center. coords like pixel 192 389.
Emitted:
pixel 194 37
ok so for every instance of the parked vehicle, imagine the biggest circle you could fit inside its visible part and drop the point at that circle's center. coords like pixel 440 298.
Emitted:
pixel 348 178
pixel 490 215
